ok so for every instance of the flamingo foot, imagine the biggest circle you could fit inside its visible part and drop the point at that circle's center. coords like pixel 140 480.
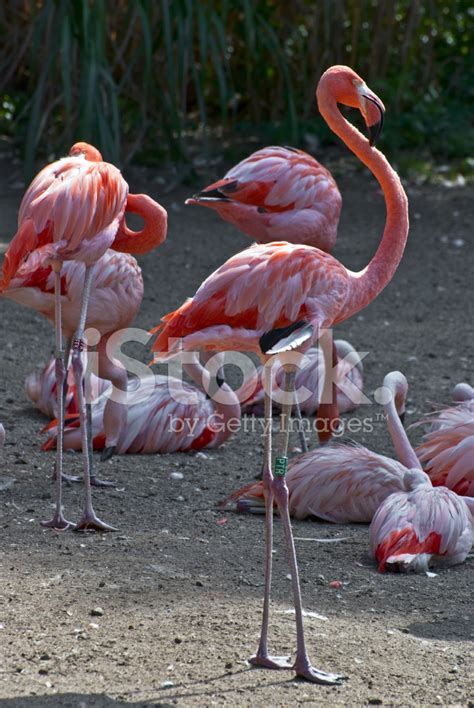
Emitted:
pixel 96 482
pixel 108 453
pixel 271 662
pixel 91 522
pixel 71 477
pixel 58 522
pixel 305 671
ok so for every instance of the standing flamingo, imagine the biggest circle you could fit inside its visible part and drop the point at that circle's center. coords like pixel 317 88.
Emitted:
pixel 447 449
pixel 282 194
pixel 74 211
pixel 163 415
pixel 278 194
pixel 277 297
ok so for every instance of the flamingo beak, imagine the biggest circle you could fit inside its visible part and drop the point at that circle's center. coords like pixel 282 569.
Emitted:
pixel 374 115
pixel 402 417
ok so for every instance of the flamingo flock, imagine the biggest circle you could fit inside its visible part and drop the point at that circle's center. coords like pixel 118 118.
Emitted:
pixel 72 260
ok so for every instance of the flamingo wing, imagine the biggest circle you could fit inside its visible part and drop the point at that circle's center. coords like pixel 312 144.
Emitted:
pixel 263 287
pixel 277 179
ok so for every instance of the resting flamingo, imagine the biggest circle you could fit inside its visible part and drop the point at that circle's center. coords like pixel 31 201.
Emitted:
pixel 163 415
pixel 40 388
pixel 310 377
pixel 447 448
pixel 421 526
pixel 277 297
pixel 74 211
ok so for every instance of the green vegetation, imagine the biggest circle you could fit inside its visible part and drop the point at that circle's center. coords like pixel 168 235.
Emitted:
pixel 153 79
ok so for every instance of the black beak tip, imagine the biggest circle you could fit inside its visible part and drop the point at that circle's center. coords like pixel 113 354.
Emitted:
pixel 402 417
pixel 374 132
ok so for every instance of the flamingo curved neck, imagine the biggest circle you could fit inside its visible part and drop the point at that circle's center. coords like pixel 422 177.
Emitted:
pixel 154 229
pixel 369 282
pixel 405 453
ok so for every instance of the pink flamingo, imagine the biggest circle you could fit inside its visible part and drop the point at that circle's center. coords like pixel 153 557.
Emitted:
pixel 421 526
pixel 282 194
pixel 74 211
pixel 163 415
pixel 278 194
pixel 310 377
pixel 447 449
pixel 276 297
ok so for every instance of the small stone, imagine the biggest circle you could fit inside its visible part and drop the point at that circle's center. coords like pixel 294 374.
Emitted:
pixel 177 640
pixel 96 612
pixel 45 657
pixel 228 665
pixel 167 684
pixel 199 584
pixel 177 475
pixel 43 672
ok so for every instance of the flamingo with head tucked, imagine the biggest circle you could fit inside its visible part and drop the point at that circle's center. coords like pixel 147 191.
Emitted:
pixel 74 211
pixel 277 297
pixel 164 415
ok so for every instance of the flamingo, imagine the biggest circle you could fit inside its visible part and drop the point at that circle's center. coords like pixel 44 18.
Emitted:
pixel 163 415
pixel 421 526
pixel 276 297
pixel 282 194
pixel 447 448
pixel 74 211
pixel 275 194
pixel 310 377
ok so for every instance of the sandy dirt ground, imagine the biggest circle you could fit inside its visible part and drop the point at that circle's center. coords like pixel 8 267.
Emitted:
pixel 167 610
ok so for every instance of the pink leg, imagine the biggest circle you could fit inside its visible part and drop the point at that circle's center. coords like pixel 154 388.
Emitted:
pixel 89 519
pixel 262 658
pixel 58 521
pixel 302 665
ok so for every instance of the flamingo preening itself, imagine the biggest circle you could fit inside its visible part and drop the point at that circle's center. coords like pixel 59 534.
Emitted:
pixel 74 211
pixel 164 415
pixel 414 524
pixel 278 194
pixel 278 297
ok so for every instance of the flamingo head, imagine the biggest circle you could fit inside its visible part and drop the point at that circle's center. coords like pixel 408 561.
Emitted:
pixel 89 152
pixel 397 386
pixel 346 87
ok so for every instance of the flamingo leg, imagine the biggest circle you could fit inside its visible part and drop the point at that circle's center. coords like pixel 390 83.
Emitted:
pixel 328 412
pixel 58 521
pixel 89 519
pixel 279 487
pixel 262 657
pixel 301 432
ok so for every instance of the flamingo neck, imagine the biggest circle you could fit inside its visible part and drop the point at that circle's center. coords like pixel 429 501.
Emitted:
pixel 154 229
pixel 369 282
pixel 224 400
pixel 404 451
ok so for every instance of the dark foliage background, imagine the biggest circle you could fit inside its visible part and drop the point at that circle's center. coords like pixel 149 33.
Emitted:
pixel 158 80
